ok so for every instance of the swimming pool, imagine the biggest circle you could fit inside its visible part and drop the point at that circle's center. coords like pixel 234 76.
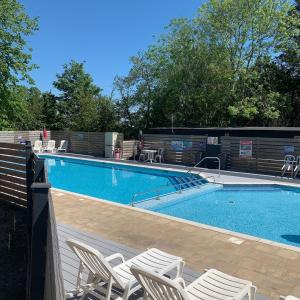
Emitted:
pixel 266 211
pixel 269 212
pixel 109 181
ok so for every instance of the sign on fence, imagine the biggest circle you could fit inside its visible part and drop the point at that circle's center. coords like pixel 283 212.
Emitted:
pixel 212 140
pixel 245 149
pixel 180 146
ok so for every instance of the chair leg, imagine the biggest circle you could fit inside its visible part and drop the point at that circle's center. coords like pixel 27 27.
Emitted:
pixel 109 287
pixel 252 292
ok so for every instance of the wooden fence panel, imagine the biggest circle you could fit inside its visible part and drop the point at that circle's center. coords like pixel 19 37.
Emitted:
pixel 13 175
pixel 267 153
pixel 87 143
pixel 128 148
pixel 91 143
pixel 187 156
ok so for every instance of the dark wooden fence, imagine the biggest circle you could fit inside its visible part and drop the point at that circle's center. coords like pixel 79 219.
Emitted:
pixel 267 153
pixel 24 185
pixel 189 155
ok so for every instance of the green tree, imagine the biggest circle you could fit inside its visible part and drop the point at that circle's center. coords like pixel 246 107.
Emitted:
pixel 15 58
pixel 78 97
pixel 213 70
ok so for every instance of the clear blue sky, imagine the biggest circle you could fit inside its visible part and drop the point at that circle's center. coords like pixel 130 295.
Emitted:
pixel 104 33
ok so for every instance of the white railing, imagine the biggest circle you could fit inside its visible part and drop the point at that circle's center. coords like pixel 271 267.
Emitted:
pixel 196 183
pixel 207 158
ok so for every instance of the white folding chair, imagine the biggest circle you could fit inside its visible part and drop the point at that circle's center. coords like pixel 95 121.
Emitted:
pixel 297 167
pixel 63 147
pixel 288 164
pixel 160 155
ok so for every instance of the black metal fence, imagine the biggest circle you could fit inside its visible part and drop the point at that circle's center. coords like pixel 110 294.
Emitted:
pixel 24 192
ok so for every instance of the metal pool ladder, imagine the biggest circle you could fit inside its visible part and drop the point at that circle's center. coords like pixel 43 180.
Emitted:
pixel 195 183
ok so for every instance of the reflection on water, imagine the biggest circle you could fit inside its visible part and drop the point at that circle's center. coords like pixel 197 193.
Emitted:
pixel 114 180
pixel 109 181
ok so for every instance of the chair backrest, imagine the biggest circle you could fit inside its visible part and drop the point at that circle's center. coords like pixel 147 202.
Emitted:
pixel 38 144
pixel 51 144
pixel 95 262
pixel 161 151
pixel 289 159
pixel 157 286
pixel 63 145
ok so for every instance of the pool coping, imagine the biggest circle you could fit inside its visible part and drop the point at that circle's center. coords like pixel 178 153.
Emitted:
pixel 193 223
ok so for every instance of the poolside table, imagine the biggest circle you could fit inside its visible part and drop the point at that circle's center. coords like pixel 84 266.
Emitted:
pixel 150 154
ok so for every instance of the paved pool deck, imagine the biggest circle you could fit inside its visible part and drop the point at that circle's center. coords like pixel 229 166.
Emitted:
pixel 273 268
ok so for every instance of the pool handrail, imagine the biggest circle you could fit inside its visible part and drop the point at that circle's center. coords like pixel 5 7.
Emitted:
pixel 161 188
pixel 206 158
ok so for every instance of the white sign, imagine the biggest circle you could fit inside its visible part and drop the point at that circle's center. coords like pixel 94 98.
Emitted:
pixel 245 149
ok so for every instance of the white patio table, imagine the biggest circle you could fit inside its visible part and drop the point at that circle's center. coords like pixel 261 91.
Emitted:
pixel 150 154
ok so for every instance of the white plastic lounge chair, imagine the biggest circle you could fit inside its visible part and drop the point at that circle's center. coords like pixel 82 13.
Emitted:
pixel 38 146
pixel 212 285
pixel 288 164
pixel 160 155
pixel 50 146
pixel 289 297
pixel 63 147
pixel 101 272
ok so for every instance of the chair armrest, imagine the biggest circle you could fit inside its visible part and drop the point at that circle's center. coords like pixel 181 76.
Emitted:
pixel 115 256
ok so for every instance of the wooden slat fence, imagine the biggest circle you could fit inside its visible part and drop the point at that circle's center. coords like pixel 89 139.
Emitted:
pixel 187 156
pixel 129 148
pixel 13 177
pixel 24 187
pixel 14 137
pixel 267 153
pixel 90 143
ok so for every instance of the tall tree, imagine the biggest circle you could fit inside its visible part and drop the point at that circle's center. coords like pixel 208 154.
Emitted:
pixel 15 57
pixel 78 97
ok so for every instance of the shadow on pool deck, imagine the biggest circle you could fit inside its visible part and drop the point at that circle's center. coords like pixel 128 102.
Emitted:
pixel 274 270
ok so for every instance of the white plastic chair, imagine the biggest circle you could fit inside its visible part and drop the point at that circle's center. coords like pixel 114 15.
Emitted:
pixel 50 146
pixel 160 155
pixel 100 270
pixel 288 164
pixel 38 146
pixel 297 167
pixel 143 156
pixel 63 147
pixel 211 285
pixel 289 297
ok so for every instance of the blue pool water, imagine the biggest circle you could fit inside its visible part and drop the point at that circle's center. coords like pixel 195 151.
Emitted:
pixel 269 212
pixel 114 182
